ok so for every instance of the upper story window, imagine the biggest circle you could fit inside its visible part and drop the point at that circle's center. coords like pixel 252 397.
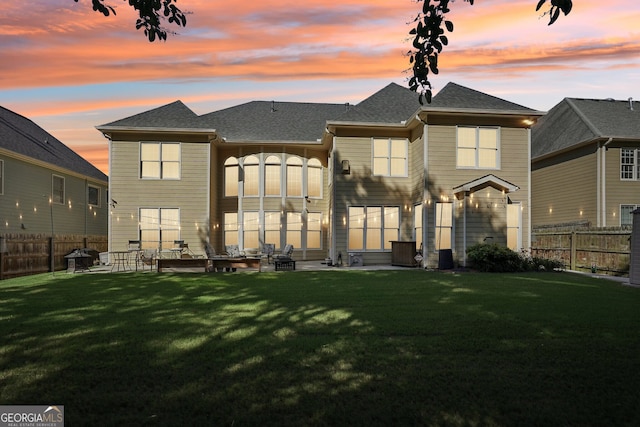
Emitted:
pixel 314 178
pixel 272 174
pixel 231 168
pixel 251 169
pixel 93 195
pixel 390 157
pixel 159 160
pixel 294 177
pixel 57 189
pixel 478 148
pixel 630 164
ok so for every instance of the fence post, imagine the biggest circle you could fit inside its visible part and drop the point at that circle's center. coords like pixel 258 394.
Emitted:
pixel 52 257
pixel 3 249
pixel 574 250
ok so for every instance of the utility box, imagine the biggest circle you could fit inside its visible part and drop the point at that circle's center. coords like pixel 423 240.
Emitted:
pixel 634 258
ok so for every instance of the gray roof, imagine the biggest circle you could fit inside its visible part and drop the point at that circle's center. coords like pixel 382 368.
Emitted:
pixel 22 136
pixel 175 115
pixel 391 104
pixel 272 121
pixel 575 121
pixel 455 96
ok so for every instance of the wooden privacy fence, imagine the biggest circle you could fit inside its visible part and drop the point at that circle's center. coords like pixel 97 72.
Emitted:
pixel 25 254
pixel 603 251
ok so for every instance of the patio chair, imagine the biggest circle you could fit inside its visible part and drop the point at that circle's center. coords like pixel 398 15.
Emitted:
pixel 268 249
pixel 148 257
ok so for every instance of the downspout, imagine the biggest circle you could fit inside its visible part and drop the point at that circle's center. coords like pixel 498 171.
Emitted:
pixel 425 192
pixel 332 204
pixel 529 225
pixel 602 182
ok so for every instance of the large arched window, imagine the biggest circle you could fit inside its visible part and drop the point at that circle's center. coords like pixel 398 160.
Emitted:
pixel 272 169
pixel 231 177
pixel 251 168
pixel 294 177
pixel 314 178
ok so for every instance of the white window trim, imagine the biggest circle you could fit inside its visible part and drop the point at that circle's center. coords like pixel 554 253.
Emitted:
pixel 635 166
pixel 405 174
pixel 365 227
pixel 477 148
pixel 99 195
pixel 620 210
pixel 161 177
pixel 64 189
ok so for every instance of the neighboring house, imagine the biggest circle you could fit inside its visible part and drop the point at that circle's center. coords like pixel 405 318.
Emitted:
pixel 331 179
pixel 586 163
pixel 45 187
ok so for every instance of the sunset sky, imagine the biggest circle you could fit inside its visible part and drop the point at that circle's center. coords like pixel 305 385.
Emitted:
pixel 70 69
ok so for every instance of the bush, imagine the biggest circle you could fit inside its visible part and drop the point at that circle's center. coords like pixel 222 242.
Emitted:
pixel 500 259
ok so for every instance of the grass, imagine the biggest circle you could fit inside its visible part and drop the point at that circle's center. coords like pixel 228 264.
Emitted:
pixel 323 348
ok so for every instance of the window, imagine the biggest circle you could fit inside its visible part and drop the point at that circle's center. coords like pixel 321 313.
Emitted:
pixel 417 225
pixel 251 229
pixel 1 176
pixel 477 148
pixel 373 228
pixel 159 160
pixel 629 164
pixel 231 177
pixel 514 220
pixel 159 227
pixel 314 178
pixel 230 228
pixel 314 230
pixel 294 177
pixel 626 216
pixel 93 195
pixel 444 225
pixel 57 189
pixel 294 229
pixel 390 157
pixel 251 176
pixel 272 176
pixel 272 228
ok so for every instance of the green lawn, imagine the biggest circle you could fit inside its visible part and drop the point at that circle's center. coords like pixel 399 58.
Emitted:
pixel 329 348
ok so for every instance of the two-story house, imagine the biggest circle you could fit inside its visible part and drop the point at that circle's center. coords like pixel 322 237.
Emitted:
pixel 331 179
pixel 586 163
pixel 45 187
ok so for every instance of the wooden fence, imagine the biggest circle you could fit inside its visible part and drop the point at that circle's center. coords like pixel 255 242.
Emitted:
pixel 597 250
pixel 25 254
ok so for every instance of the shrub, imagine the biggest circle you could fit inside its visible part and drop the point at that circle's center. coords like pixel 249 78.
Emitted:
pixel 500 259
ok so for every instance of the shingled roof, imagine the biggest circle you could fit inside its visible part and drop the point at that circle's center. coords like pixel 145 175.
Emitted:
pixel 455 96
pixel 22 136
pixel 272 121
pixel 391 104
pixel 575 121
pixel 175 115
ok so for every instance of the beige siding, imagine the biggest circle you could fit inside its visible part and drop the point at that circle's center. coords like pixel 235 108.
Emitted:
pixel 618 192
pixel 190 193
pixel 25 202
pixel 565 190
pixel 489 218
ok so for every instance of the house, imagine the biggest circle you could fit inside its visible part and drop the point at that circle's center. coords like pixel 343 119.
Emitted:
pixel 337 181
pixel 586 163
pixel 45 187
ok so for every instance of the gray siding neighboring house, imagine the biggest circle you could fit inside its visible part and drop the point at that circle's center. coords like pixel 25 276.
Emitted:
pixel 586 163
pixel 45 185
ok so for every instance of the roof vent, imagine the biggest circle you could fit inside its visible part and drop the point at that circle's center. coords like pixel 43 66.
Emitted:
pixel 630 103
pixel 346 106
pixel 273 106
